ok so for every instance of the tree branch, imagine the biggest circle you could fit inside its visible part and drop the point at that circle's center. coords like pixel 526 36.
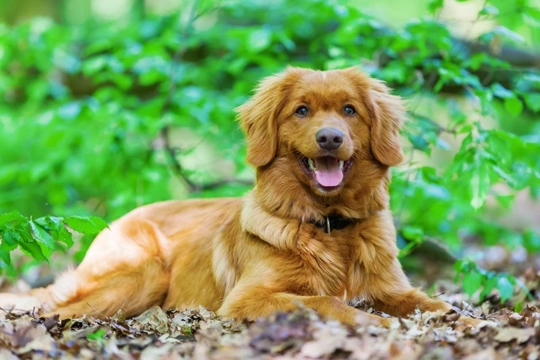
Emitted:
pixel 218 183
pixel 440 128
pixel 164 138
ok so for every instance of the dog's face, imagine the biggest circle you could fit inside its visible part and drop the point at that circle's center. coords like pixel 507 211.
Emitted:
pixel 330 126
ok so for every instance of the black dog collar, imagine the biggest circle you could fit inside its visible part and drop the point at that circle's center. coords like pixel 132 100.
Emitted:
pixel 334 222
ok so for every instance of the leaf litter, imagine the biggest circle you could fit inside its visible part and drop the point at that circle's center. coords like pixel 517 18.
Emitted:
pixel 302 334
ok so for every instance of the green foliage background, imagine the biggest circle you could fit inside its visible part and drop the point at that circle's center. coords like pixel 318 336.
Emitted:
pixel 101 117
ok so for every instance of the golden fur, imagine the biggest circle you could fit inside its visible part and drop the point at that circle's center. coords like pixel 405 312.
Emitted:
pixel 249 257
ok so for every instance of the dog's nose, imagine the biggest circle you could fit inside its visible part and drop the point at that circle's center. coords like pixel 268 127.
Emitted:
pixel 329 138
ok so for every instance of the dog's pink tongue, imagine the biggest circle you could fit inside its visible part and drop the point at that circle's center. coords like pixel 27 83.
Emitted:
pixel 328 172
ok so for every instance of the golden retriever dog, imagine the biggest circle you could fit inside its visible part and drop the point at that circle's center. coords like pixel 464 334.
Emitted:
pixel 316 230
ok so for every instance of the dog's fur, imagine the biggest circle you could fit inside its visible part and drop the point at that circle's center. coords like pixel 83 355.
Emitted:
pixel 249 257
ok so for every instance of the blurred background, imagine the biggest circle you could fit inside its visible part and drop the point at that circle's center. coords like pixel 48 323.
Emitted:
pixel 109 105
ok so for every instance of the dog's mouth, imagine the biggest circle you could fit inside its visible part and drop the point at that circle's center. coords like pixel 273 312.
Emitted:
pixel 327 171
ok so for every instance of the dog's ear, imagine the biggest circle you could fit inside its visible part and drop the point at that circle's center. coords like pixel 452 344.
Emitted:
pixel 258 118
pixel 387 115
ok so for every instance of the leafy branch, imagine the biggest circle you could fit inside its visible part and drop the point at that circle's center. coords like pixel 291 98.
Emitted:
pixel 40 237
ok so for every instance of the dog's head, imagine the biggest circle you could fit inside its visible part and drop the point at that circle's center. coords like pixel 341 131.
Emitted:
pixel 330 126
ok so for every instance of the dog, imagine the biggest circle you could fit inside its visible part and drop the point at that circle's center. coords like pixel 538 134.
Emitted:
pixel 315 231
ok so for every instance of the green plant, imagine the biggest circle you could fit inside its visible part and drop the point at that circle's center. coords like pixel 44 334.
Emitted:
pixel 477 281
pixel 39 237
pixel 105 113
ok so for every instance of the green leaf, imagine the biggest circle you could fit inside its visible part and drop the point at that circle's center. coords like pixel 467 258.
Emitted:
pixel 533 101
pixel 56 228
pixel 86 225
pixel 419 141
pixel 489 285
pixel 532 16
pixel 5 256
pixel 8 217
pixel 480 182
pixel 70 110
pixel 41 235
pixel 531 240
pixel 506 200
pixel 10 239
pixel 33 249
pixel 97 335
pixel 505 288
pixel 8 242
pixel 259 39
pixel 93 65
pixel 489 10
pixel 501 91
pixel 513 105
pixel 435 5
pixel 413 233
pixel 504 175
pixel 472 281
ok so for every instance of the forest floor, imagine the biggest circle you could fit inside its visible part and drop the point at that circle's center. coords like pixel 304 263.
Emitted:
pixel 199 334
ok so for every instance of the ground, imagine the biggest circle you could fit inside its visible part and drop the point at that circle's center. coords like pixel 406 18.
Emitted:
pixel 199 334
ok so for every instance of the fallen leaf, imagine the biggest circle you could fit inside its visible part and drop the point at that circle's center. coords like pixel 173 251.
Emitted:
pixel 29 336
pixel 486 354
pixel 153 319
pixel 5 354
pixel 326 341
pixel 510 334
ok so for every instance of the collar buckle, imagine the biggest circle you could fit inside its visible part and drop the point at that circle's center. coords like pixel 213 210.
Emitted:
pixel 334 222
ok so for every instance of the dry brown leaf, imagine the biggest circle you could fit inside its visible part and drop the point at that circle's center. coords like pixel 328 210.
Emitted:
pixel 326 341
pixel 29 336
pixel 486 354
pixel 515 320
pixel 200 334
pixel 5 354
pixel 153 319
pixel 511 334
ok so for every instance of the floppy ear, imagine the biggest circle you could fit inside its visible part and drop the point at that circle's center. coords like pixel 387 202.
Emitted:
pixel 387 115
pixel 258 119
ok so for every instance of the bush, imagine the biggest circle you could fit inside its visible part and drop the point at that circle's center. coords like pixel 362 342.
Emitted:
pixel 94 118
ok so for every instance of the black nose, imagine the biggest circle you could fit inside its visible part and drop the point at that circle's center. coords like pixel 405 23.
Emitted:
pixel 329 138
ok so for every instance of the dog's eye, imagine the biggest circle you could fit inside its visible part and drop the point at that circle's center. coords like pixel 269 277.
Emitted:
pixel 349 110
pixel 301 111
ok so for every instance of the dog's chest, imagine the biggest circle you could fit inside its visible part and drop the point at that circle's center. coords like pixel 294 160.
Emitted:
pixel 327 261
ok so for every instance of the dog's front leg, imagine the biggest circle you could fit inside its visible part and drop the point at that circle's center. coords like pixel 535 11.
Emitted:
pixel 391 292
pixel 245 302
pixel 404 302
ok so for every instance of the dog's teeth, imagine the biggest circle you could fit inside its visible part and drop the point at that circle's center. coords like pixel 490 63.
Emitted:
pixel 311 164
pixel 341 163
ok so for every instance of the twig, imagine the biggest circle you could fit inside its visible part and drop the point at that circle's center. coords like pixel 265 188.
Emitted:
pixel 218 183
pixel 171 157
pixel 399 216
pixel 439 127
pixel 97 312
pixel 163 138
